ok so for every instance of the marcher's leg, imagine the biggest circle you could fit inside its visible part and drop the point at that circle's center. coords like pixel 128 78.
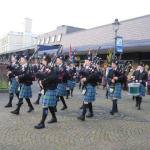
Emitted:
pixel 11 96
pixel 64 103
pixel 30 105
pixel 90 110
pixel 17 110
pixel 54 119
pixel 42 122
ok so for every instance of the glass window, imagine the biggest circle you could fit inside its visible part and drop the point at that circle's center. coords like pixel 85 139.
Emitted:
pixel 59 37
pixel 52 39
pixel 38 42
pixel 42 41
pixel 47 40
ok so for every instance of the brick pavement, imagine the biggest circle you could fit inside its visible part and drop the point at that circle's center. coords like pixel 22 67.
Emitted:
pixel 127 130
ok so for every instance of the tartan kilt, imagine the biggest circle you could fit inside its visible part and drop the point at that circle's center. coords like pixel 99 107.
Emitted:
pixel 13 88
pixel 142 90
pixel 61 89
pixel 116 94
pixel 90 93
pixel 71 84
pixel 49 99
pixel 25 91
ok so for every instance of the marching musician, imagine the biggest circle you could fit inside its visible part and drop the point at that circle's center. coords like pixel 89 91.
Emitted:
pixel 40 67
pixel 90 81
pixel 140 76
pixel 71 79
pixel 61 88
pixel 25 80
pixel 13 84
pixel 48 82
pixel 115 78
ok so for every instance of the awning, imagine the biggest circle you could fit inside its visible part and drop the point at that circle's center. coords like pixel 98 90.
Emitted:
pixel 49 49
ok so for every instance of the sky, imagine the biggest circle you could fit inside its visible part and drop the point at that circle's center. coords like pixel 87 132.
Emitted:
pixel 46 15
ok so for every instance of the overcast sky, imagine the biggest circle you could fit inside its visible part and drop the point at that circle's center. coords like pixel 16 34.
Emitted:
pixel 48 14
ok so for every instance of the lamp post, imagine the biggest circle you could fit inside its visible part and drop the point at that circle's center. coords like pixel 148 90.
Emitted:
pixel 115 28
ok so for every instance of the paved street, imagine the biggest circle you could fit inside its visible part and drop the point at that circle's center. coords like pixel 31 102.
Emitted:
pixel 127 130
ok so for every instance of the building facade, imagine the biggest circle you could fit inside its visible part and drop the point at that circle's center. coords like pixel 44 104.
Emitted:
pixel 16 41
pixel 135 33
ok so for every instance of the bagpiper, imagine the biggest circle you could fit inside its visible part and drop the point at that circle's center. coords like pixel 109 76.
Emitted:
pixel 89 80
pixel 115 79
pixel 62 80
pixel 13 84
pixel 71 79
pixel 25 80
pixel 48 82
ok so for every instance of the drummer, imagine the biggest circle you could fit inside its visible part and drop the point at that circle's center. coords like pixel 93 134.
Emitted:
pixel 140 76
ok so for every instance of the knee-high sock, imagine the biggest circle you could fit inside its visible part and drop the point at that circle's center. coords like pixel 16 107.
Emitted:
pixel 52 110
pixel 71 91
pixel 44 115
pixel 139 103
pixel 85 106
pixel 115 106
pixel 19 104
pixel 90 108
pixel 63 101
pixel 17 94
pixel 11 96
pixel 29 102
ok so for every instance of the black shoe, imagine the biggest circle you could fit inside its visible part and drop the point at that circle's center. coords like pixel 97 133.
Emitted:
pixel 15 112
pixel 82 118
pixel 30 109
pixel 90 115
pixel 39 126
pixel 8 105
pixel 53 120
pixel 111 112
pixel 65 107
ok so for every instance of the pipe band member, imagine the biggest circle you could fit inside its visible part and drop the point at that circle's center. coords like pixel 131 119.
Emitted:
pixel 13 84
pixel 71 79
pixel 90 81
pixel 115 79
pixel 25 80
pixel 62 80
pixel 49 99
pixel 140 76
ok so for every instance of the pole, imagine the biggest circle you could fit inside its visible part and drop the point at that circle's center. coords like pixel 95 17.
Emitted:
pixel 114 53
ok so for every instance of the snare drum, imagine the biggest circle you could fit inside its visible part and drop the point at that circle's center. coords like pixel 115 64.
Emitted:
pixel 134 89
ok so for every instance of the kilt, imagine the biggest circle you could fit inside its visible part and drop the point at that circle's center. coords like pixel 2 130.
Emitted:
pixel 116 93
pixel 25 91
pixel 71 84
pixel 13 88
pixel 49 99
pixel 142 90
pixel 90 93
pixel 61 89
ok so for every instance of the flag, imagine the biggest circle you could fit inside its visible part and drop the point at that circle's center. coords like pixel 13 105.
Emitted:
pixel 70 53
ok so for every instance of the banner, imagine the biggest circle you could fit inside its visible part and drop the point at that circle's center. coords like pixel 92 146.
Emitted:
pixel 119 44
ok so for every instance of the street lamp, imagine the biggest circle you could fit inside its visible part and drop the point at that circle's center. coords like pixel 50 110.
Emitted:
pixel 115 28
